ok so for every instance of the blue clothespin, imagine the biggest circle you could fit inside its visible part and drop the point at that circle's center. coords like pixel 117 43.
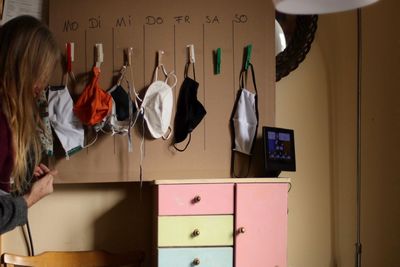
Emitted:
pixel 217 69
pixel 248 56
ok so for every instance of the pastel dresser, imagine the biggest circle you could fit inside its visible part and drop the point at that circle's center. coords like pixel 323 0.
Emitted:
pixel 222 222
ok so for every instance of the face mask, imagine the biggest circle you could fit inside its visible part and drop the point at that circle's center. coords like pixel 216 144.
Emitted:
pixel 94 104
pixel 123 111
pixel 244 120
pixel 66 125
pixel 45 134
pixel 121 100
pixel 157 107
pixel 245 117
pixel 189 111
pixel 117 126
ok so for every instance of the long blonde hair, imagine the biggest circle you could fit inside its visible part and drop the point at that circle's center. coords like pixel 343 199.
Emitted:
pixel 28 55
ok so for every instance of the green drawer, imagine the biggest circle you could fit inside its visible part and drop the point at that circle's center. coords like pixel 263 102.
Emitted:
pixel 191 231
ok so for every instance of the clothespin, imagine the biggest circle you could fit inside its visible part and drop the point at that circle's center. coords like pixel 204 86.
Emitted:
pixel 70 47
pixel 160 53
pixel 217 69
pixel 192 58
pixel 128 55
pixel 99 55
pixel 248 56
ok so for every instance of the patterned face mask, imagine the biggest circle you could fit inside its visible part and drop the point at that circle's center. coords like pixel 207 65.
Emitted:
pixel 45 134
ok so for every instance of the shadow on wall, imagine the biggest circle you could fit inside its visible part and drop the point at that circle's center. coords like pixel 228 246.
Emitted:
pixel 129 224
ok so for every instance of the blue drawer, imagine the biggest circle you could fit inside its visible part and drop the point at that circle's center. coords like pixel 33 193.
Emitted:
pixel 192 257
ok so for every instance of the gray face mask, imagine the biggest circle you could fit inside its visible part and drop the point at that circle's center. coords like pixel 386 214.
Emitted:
pixel 245 122
pixel 245 119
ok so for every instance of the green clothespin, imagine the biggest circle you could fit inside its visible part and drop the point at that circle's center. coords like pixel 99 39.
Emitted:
pixel 218 61
pixel 248 56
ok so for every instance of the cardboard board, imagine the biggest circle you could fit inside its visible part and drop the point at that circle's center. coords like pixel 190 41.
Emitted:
pixel 152 25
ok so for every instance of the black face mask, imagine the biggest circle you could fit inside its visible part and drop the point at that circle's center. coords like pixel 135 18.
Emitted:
pixel 189 111
pixel 121 100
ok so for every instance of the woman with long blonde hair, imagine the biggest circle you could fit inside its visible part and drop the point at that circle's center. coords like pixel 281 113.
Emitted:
pixel 28 55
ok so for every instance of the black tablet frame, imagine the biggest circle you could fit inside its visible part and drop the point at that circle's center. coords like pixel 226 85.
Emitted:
pixel 273 167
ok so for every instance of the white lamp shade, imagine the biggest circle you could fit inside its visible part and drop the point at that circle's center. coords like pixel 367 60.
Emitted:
pixel 280 39
pixel 308 7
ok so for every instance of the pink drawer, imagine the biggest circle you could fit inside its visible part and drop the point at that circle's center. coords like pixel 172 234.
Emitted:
pixel 195 199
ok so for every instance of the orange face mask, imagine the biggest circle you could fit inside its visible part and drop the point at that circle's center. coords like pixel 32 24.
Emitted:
pixel 94 104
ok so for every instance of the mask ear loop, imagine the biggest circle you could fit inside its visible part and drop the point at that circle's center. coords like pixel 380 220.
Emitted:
pixel 187 66
pixel 160 65
pixel 92 142
pixel 175 79
pixel 128 54
pixel 121 75
pixel 166 137
pixel 186 146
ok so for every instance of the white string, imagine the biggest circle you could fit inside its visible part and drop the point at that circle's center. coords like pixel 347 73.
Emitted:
pixel 93 141
pixel 134 88
pixel 141 153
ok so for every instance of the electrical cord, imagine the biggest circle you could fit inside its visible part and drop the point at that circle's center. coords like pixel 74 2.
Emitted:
pixel 32 251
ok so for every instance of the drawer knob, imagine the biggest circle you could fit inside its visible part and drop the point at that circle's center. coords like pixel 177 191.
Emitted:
pixel 196 199
pixel 242 230
pixel 196 261
pixel 196 232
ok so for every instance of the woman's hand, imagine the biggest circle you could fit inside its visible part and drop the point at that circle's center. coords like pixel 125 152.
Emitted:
pixel 40 171
pixel 42 187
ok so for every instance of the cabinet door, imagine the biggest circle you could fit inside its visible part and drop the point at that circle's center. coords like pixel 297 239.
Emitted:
pixel 261 225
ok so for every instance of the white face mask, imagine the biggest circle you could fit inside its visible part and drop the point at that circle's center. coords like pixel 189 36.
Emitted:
pixel 245 119
pixel 157 107
pixel 66 125
pixel 245 122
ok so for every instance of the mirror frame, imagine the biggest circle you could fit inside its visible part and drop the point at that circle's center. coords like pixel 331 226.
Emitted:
pixel 300 44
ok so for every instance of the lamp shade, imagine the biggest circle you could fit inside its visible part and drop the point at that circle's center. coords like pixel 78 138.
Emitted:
pixel 307 7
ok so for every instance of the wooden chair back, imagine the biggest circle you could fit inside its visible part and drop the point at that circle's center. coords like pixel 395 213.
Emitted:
pixel 95 258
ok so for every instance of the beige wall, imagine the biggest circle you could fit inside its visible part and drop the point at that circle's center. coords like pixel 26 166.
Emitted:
pixel 302 104
pixel 333 61
pixel 318 102
pixel 381 184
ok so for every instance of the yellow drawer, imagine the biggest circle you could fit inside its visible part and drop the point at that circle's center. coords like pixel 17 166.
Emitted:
pixel 192 231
